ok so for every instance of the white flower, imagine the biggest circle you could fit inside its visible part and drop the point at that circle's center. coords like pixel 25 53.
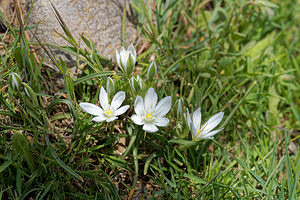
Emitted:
pixel 123 57
pixel 107 112
pixel 204 131
pixel 148 113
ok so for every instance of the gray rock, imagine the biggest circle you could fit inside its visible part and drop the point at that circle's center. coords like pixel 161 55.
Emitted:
pixel 100 19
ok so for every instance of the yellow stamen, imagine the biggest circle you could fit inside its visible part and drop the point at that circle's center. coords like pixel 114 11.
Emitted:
pixel 198 133
pixel 108 112
pixel 149 116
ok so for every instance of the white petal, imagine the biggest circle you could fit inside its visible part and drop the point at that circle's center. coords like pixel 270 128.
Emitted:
pixel 137 120
pixel 99 118
pixel 103 98
pixel 27 93
pixel 209 135
pixel 197 118
pixel 139 106
pixel 131 82
pixel 163 107
pixel 161 121
pixel 111 119
pixel 117 100
pixel 131 49
pixel 212 122
pixel 91 108
pixel 140 81
pixel 15 83
pixel 121 110
pixel 188 118
pixel 151 128
pixel 194 131
pixel 118 59
pixel 150 100
pixel 179 107
pixel 124 57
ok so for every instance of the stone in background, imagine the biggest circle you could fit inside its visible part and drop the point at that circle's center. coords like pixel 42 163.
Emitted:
pixel 100 19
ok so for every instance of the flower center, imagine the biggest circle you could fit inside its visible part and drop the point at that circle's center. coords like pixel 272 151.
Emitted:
pixel 149 116
pixel 198 133
pixel 108 112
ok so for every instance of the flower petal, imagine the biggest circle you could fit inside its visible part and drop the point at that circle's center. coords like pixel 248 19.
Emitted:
pixel 117 100
pixel 194 131
pixel 137 120
pixel 118 59
pixel 163 107
pixel 197 119
pixel 151 128
pixel 91 108
pixel 131 49
pixel 111 119
pixel 99 118
pixel 212 122
pixel 209 135
pixel 188 119
pixel 161 121
pixel 131 82
pixel 121 110
pixel 103 98
pixel 150 100
pixel 139 106
pixel 124 57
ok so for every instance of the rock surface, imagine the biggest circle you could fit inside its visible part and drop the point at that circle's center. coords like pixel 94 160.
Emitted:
pixel 100 19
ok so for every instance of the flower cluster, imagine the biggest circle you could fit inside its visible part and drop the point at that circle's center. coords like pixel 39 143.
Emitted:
pixel 149 112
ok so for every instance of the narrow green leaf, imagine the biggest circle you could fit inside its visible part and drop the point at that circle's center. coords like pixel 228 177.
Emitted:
pixel 184 142
pixel 61 163
pixel 194 178
pixel 21 146
pixel 5 165
pixel 94 75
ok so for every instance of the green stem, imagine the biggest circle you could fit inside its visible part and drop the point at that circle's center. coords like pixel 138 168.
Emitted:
pixel 124 25
pixel 136 167
pixel 133 138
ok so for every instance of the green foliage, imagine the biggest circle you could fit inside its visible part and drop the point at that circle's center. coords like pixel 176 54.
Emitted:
pixel 239 57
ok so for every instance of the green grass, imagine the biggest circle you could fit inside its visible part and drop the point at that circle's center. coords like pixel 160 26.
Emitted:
pixel 238 57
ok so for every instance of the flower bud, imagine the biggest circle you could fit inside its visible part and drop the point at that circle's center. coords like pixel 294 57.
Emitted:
pixel 133 84
pixel 136 83
pixel 178 108
pixel 26 92
pixel 30 93
pixel 110 87
pixel 152 71
pixel 15 81
pixel 140 82
pixel 130 65
pixel 126 59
